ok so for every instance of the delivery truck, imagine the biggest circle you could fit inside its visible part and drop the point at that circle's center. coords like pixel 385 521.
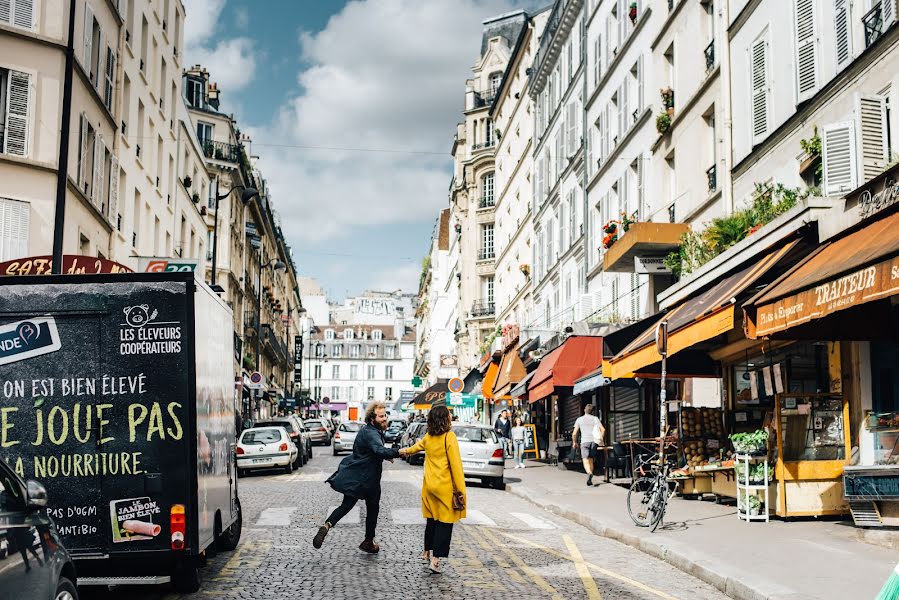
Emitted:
pixel 117 392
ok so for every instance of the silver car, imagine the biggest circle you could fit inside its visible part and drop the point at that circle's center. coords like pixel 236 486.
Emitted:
pixel 318 432
pixel 482 454
pixel 345 436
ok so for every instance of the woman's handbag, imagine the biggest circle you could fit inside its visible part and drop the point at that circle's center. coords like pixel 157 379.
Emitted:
pixel 458 497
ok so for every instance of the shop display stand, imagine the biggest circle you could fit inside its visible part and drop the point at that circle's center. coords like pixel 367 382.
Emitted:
pixel 745 489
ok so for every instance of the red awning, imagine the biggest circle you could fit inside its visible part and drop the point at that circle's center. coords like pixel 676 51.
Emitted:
pixel 576 357
pixel 489 380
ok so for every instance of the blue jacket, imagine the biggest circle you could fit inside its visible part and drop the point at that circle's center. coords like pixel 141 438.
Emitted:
pixel 359 474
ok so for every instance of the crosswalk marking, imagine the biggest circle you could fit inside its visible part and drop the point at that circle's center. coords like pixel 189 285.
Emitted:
pixel 532 521
pixel 351 517
pixel 476 517
pixel 275 517
pixel 407 516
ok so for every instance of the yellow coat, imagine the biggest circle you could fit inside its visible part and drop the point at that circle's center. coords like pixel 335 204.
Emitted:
pixel 437 489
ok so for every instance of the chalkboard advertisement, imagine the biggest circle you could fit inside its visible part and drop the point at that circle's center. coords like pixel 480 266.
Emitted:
pixel 530 440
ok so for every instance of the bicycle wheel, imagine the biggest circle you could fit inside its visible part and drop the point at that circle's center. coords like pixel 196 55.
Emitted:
pixel 659 504
pixel 639 498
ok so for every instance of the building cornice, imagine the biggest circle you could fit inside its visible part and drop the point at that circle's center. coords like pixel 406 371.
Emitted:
pixel 741 19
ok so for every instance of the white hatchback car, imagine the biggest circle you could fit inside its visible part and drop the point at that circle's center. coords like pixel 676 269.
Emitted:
pixel 482 453
pixel 265 448
pixel 345 436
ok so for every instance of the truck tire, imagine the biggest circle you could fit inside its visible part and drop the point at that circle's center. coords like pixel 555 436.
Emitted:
pixel 65 590
pixel 187 579
pixel 231 537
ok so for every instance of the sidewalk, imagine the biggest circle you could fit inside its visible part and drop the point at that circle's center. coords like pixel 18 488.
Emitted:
pixel 800 560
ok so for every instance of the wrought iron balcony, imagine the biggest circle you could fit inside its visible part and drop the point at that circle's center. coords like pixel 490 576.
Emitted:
pixel 275 345
pixel 484 145
pixel 482 308
pixel 873 23
pixel 221 151
pixel 709 56
pixel 487 202
pixel 487 254
pixel 712 176
pixel 484 98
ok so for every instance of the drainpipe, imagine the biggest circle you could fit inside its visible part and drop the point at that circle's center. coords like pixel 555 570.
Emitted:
pixel 62 166
pixel 584 126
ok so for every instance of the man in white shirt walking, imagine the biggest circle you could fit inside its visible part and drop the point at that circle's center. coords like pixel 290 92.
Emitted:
pixel 586 425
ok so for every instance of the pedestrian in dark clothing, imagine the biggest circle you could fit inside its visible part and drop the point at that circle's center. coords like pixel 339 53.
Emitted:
pixel 359 477
pixel 503 428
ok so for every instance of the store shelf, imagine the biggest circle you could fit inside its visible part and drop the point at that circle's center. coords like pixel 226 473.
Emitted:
pixel 745 489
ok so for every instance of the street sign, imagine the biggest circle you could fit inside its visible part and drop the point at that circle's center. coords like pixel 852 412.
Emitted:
pixel 650 265
pixel 257 381
pixel 153 264
pixel 326 400
pixel 461 400
pixel 662 338
pixel 455 385
pixel 416 381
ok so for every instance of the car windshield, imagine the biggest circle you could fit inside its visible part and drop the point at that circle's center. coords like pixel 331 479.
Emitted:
pixel 474 434
pixel 261 436
pixel 285 424
pixel 352 427
pixel 314 424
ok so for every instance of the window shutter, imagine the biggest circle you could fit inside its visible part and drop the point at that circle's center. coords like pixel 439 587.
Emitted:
pixel 806 49
pixel 573 140
pixel 843 34
pixel 22 13
pixel 109 94
pixel 19 95
pixel 560 152
pixel 97 78
pixel 597 56
pixel 97 179
pixel 639 199
pixel 625 193
pixel 607 52
pixel 759 76
pixel 5 11
pixel 625 106
pixel 872 128
pixel 639 106
pixel 888 12
pixel 838 148
pixel 88 37
pixel 14 225
pixel 113 203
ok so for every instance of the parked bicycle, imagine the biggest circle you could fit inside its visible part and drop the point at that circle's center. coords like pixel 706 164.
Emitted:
pixel 647 498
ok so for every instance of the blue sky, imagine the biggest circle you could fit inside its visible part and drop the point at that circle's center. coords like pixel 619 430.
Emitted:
pixel 352 108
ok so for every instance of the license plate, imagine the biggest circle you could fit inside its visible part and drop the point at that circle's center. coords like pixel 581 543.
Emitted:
pixel 470 465
pixel 259 460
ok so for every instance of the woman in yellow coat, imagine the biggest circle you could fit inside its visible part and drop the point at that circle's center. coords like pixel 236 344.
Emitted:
pixel 443 476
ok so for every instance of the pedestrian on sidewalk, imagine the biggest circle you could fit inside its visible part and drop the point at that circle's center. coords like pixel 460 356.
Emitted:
pixel 443 497
pixel 503 428
pixel 359 477
pixel 584 426
pixel 518 443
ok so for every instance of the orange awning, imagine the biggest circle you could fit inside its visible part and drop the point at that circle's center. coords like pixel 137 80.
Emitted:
pixel 511 371
pixel 695 320
pixel 861 267
pixel 576 357
pixel 489 380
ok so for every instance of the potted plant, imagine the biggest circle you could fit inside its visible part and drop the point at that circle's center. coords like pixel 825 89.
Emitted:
pixel 526 269
pixel 632 13
pixel 611 231
pixel 663 123
pixel 187 181
pixel 668 100
pixel 627 220
pixel 195 198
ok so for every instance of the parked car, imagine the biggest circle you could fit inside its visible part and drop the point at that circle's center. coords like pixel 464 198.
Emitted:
pixel 318 432
pixel 415 432
pixel 265 448
pixel 294 427
pixel 482 453
pixel 345 436
pixel 395 430
pixel 35 565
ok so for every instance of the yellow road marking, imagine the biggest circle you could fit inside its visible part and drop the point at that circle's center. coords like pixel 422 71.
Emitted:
pixel 507 568
pixel 535 577
pixel 599 569
pixel 479 575
pixel 582 569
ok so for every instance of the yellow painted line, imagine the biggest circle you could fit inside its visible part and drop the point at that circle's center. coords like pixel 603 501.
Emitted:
pixel 479 575
pixel 532 574
pixel 250 555
pixel 582 569
pixel 599 569
pixel 507 568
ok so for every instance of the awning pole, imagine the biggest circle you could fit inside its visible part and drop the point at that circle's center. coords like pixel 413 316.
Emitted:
pixel 662 347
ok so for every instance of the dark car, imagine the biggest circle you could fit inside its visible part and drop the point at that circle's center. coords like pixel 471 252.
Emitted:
pixel 413 433
pixel 295 430
pixel 395 430
pixel 34 566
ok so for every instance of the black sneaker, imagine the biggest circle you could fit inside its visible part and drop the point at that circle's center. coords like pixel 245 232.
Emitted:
pixel 590 480
pixel 320 536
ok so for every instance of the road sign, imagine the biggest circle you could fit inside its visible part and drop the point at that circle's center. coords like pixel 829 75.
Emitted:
pixel 416 381
pixel 326 400
pixel 455 385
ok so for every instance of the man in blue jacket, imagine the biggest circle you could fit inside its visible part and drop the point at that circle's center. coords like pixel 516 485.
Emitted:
pixel 359 477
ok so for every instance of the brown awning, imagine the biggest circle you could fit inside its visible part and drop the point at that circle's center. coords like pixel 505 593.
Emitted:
pixel 576 357
pixel 511 371
pixel 695 320
pixel 435 393
pixel 860 267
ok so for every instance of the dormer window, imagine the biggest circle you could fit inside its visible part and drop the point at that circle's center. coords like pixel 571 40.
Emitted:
pixel 195 93
pixel 377 335
pixel 347 334
pixel 329 334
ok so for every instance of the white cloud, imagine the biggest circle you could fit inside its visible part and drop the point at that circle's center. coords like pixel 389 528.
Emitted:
pixel 402 277
pixel 231 62
pixel 242 17
pixel 383 74
pixel 201 19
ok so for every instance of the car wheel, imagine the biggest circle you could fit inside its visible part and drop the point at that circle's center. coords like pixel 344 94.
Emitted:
pixel 241 473
pixel 289 468
pixel 497 483
pixel 65 590
pixel 336 452
pixel 309 451
pixel 187 579
pixel 231 537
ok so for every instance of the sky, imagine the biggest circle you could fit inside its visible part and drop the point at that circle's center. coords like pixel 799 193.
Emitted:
pixel 352 108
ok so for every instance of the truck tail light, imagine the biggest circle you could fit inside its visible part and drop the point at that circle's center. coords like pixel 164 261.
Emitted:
pixel 283 447
pixel 239 450
pixel 178 526
pixel 498 453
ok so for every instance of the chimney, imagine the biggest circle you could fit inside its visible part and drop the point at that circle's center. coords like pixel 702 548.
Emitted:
pixel 212 95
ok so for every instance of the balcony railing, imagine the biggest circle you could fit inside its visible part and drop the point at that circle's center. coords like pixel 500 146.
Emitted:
pixel 487 254
pixel 484 98
pixel 712 176
pixel 709 56
pixel 873 23
pixel 482 308
pixel 221 151
pixel 276 345
pixel 487 202
pixel 249 322
pixel 484 145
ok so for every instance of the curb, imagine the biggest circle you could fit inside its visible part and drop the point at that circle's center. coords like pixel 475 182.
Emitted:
pixel 718 574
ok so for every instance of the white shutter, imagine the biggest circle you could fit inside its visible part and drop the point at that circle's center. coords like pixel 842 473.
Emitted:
pixel 538 182
pixel 640 84
pixel 113 204
pixel 597 57
pixel 759 76
pixel 560 152
pixel 887 12
pixel 625 105
pixel 639 199
pixel 99 163
pixel 838 148
pixel 872 128
pixel 585 306
pixel 87 37
pixel 109 91
pixel 573 141
pixel 843 32
pixel 622 21
pixel 97 77
pixel 22 13
pixel 19 98
pixel 15 219
pixel 82 156
pixel 5 11
pixel 806 49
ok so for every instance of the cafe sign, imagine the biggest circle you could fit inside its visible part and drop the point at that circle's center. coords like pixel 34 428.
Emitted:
pixel 72 264
pixel 870 283
pixel 871 201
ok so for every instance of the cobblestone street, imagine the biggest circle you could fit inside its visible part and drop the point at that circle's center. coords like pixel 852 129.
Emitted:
pixel 506 548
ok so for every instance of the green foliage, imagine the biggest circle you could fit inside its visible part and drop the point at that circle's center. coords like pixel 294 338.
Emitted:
pixel 249 362
pixel 812 146
pixel 488 341
pixel 663 122
pixel 755 441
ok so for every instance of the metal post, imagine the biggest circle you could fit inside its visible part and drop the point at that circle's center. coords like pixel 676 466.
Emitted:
pixel 215 234
pixel 662 347
pixel 62 168
pixel 259 312
pixel 287 351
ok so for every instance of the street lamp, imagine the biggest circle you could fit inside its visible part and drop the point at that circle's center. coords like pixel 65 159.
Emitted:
pixel 275 265
pixel 246 195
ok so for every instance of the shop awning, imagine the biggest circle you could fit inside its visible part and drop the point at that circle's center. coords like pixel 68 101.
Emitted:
pixel 521 390
pixel 577 356
pixel 437 391
pixel 489 379
pixel 511 371
pixel 860 267
pixel 334 406
pixel 696 320
pixel 590 382
pixel 472 382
